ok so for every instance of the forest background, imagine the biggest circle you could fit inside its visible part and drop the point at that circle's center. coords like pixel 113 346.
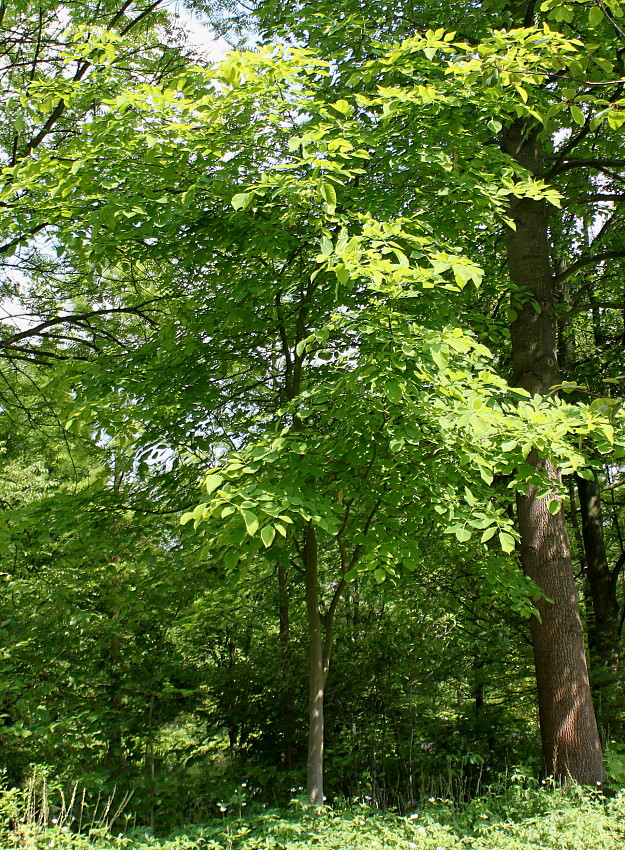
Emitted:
pixel 311 375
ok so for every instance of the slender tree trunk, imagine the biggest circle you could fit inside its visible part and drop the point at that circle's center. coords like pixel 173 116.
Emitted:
pixel 288 697
pixel 601 579
pixel 605 647
pixel 571 746
pixel 318 671
pixel 150 758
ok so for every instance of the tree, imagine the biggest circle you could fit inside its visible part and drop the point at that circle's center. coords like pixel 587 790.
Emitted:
pixel 340 303
pixel 568 103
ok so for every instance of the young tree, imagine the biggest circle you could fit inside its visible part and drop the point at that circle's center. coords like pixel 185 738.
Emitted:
pixel 580 107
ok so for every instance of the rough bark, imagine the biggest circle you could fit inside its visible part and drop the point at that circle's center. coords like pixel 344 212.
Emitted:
pixel 570 740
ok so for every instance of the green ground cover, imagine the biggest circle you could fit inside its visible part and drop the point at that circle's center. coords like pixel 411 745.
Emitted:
pixel 515 819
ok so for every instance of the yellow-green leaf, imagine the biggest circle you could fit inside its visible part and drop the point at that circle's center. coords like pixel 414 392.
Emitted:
pixel 212 482
pixel 328 193
pixel 251 522
pixel 490 532
pixel 267 534
pixel 506 542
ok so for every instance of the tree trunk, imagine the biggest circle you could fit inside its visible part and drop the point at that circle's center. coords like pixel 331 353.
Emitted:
pixel 288 696
pixel 605 646
pixel 570 740
pixel 318 671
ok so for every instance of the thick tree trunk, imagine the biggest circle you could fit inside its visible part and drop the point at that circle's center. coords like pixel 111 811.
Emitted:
pixel 318 671
pixel 571 746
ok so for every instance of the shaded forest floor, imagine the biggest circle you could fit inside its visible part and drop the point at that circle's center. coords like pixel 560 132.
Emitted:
pixel 516 819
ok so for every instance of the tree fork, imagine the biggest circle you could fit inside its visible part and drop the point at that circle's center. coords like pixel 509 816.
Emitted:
pixel 570 739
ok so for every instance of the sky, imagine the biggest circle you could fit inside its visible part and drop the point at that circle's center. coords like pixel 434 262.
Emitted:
pixel 200 36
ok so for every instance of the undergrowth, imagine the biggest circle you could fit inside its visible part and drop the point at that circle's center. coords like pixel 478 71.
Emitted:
pixel 516 817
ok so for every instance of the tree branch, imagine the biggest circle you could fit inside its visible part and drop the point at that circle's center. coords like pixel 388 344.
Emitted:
pixel 588 261
pixel 74 319
pixel 604 305
pixel 598 164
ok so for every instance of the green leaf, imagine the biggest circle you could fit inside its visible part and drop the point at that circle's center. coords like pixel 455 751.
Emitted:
pixel 379 575
pixel 251 522
pixel 577 115
pixel 240 201
pixel 554 506
pixel 326 246
pixel 212 482
pixel 231 558
pixel 342 106
pixel 267 534
pixel 393 392
pixel 595 16
pixel 488 534
pixel 463 534
pixel 486 475
pixel 328 193
pixel 440 355
pixel 342 274
pixel 507 542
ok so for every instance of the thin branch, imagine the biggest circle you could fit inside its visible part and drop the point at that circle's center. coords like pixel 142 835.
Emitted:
pixel 588 261
pixel 140 17
pixel 4 249
pixel 75 319
pixel 598 164
pixel 604 305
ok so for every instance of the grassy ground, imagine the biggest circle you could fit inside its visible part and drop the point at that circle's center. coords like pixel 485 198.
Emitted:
pixel 515 819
